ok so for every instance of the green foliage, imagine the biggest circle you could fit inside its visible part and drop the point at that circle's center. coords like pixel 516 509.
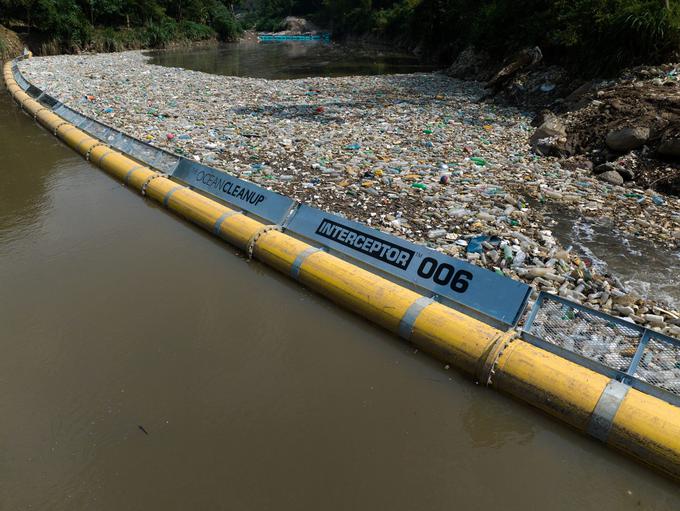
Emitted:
pixel 224 22
pixel 114 25
pixel 588 35
pixel 193 31
pixel 158 35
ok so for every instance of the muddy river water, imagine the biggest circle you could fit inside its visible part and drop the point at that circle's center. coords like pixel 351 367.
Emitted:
pixel 148 366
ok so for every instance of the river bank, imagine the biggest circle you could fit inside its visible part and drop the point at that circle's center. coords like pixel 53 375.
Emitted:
pixel 415 155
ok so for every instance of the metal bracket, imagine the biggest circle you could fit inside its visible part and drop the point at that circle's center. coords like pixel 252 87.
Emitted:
pixel 256 236
pixel 148 180
pixel 408 320
pixel 89 151
pixel 603 416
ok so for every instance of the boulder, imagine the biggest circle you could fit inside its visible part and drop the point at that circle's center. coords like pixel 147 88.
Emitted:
pixel 626 174
pixel 670 146
pixel 471 64
pixel 552 127
pixel 294 25
pixel 522 60
pixel 611 177
pixel 550 137
pixel 607 167
pixel 627 139
pixel 549 146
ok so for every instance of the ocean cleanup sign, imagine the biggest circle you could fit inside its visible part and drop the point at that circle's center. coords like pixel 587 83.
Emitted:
pixel 244 195
pixel 479 289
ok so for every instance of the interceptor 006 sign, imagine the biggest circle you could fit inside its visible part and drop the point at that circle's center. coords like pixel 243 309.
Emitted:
pixel 242 194
pixel 477 288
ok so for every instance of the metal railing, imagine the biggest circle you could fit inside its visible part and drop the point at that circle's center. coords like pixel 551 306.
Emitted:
pixel 640 357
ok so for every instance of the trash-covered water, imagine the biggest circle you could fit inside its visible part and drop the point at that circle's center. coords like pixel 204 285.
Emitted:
pixel 417 155
pixel 290 59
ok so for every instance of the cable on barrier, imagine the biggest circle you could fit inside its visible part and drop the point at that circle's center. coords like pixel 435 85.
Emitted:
pixel 256 236
pixel 148 180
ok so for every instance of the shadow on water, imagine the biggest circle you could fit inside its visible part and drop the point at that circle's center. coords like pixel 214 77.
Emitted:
pixel 291 59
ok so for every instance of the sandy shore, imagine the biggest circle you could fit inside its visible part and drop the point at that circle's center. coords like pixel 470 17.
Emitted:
pixel 414 155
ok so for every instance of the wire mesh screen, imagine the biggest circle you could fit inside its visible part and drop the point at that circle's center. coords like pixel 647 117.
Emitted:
pixel 18 77
pixel 145 153
pixel 48 100
pixel 586 332
pixel 67 114
pixel 33 91
pixel 660 364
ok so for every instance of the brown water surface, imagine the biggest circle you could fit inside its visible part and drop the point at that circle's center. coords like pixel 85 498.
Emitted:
pixel 255 393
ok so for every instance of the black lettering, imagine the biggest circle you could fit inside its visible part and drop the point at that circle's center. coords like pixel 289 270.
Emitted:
pixel 382 250
pixel 443 280
pixel 461 281
pixel 430 264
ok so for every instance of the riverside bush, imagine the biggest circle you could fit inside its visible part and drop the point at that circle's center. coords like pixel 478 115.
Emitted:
pixel 586 35
pixel 113 25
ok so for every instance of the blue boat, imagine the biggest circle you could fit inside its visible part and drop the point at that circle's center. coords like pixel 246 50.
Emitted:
pixel 316 36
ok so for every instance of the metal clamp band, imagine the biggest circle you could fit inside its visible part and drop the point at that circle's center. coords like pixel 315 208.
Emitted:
pixel 56 128
pixel 218 223
pixel 410 316
pixel 170 193
pixel 104 156
pixel 84 139
pixel 35 115
pixel 301 258
pixel 603 416
pixel 493 354
pixel 89 151
pixel 148 180
pixel 130 172
pixel 256 236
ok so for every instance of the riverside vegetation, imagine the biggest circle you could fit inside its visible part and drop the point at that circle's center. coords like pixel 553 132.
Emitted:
pixel 71 26
pixel 588 36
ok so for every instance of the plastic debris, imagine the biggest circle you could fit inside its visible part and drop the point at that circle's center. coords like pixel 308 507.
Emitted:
pixel 422 159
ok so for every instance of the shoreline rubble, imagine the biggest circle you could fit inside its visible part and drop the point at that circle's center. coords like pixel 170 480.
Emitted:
pixel 415 155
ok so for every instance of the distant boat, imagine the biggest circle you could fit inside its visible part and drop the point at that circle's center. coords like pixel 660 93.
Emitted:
pixel 310 36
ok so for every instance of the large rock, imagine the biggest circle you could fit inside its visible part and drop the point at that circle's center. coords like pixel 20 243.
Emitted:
pixel 293 25
pixel 627 139
pixel 552 127
pixel 550 138
pixel 610 166
pixel 606 167
pixel 611 177
pixel 522 60
pixel 670 146
pixel 626 173
pixel 471 64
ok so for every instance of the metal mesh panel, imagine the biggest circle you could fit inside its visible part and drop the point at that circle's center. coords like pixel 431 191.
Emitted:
pixel 48 100
pixel 33 91
pixel 68 114
pixel 85 124
pixel 145 153
pixel 586 333
pixel 150 155
pixel 660 364
pixel 18 77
